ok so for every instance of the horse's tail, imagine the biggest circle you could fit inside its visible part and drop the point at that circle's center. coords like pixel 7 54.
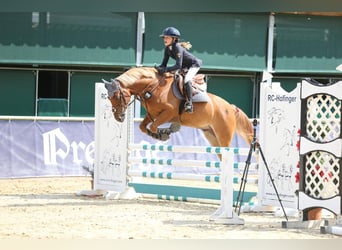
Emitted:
pixel 243 125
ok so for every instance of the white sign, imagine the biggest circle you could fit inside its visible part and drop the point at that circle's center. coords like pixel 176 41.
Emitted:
pixel 279 126
pixel 110 145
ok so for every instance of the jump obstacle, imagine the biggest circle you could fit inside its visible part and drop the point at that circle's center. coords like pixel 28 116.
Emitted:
pixel 116 153
pixel 181 163
pixel 228 175
pixel 283 176
pixel 224 214
pixel 320 150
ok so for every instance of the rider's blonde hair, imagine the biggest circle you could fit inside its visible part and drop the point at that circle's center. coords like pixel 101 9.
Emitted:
pixel 186 45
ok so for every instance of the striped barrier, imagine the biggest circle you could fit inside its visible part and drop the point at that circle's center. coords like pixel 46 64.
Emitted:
pixel 227 166
pixel 184 163
pixel 187 149
pixel 238 166
pixel 185 176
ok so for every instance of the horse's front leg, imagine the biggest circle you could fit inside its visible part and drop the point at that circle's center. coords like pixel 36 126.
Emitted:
pixel 162 118
pixel 153 130
pixel 144 129
pixel 144 123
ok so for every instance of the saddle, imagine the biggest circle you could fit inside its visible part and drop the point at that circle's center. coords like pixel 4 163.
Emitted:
pixel 199 87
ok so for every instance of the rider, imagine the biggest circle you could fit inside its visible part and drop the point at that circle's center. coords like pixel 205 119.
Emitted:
pixel 184 60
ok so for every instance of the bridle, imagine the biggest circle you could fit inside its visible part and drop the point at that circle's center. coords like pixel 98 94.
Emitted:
pixel 120 94
pixel 113 88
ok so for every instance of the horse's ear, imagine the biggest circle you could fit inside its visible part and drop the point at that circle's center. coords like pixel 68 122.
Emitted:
pixel 115 82
pixel 104 81
pixel 111 87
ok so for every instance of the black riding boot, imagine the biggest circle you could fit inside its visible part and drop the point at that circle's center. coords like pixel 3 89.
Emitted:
pixel 188 91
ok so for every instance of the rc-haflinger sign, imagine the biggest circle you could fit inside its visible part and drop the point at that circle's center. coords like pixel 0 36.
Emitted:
pixel 279 125
pixel 111 143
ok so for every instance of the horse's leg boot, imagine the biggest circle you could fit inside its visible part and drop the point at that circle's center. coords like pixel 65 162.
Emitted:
pixel 153 135
pixel 166 131
pixel 174 127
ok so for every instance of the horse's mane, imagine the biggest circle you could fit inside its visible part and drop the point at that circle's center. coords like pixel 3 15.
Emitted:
pixel 136 73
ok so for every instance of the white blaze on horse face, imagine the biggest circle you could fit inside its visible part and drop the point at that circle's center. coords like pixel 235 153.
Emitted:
pixel 120 117
pixel 119 109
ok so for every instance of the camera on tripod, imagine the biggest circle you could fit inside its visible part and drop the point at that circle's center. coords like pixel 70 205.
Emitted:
pixel 254 144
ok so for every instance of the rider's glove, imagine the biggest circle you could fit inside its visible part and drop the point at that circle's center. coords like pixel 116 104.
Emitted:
pixel 161 70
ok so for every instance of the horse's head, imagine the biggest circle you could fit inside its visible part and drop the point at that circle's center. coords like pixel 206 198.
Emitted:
pixel 133 82
pixel 119 98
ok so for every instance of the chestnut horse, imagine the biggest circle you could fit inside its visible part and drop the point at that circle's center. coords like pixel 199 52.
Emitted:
pixel 217 118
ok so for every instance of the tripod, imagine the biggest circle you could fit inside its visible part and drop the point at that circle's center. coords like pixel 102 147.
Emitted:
pixel 253 145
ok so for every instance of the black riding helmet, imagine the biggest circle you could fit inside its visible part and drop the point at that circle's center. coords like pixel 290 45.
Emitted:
pixel 171 31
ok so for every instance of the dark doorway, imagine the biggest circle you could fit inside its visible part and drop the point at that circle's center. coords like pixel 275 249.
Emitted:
pixel 53 84
pixel 53 93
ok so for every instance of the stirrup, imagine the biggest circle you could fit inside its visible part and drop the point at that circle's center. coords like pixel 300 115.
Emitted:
pixel 188 107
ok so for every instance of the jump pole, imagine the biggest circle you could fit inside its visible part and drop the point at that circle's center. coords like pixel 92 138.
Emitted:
pixel 225 213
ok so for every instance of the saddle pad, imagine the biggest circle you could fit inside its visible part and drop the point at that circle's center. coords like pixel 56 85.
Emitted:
pixel 198 96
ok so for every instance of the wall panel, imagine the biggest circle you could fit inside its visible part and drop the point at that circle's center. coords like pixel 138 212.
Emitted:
pixel 17 92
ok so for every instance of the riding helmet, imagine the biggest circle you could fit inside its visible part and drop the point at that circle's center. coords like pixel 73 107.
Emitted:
pixel 171 31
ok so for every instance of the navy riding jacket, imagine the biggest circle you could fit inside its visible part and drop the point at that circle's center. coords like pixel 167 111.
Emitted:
pixel 184 59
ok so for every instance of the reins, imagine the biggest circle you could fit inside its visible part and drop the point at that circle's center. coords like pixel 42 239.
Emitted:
pixel 147 93
pixel 122 95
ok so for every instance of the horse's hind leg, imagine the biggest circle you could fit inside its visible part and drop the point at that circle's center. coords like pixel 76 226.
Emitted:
pixel 211 137
pixel 218 139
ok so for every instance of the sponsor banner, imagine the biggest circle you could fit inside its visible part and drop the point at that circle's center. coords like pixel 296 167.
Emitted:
pixel 37 148
pixel 45 148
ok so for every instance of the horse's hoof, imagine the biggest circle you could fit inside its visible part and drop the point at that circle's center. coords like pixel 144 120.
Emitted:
pixel 164 137
pixel 153 135
pixel 175 127
pixel 164 131
pixel 160 135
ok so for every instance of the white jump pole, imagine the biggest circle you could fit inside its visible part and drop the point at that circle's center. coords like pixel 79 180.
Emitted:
pixel 225 213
